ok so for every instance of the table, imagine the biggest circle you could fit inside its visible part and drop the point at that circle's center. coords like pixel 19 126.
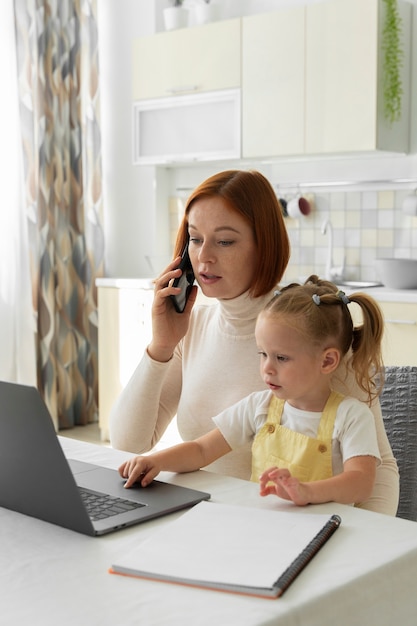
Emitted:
pixel 366 574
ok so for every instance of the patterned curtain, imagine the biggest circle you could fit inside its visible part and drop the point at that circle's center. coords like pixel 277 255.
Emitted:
pixel 59 106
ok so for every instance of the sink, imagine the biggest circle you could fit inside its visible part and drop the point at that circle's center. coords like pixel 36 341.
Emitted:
pixel 358 284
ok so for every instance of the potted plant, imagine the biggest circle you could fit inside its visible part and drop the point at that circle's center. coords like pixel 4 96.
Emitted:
pixel 392 47
pixel 206 11
pixel 176 16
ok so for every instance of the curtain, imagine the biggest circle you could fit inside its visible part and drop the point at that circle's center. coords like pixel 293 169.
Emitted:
pixel 59 111
pixel 17 328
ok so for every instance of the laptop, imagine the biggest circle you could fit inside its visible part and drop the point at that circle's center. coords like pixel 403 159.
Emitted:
pixel 36 478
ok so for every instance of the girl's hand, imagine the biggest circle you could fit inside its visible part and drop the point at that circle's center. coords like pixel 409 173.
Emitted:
pixel 284 486
pixel 141 469
pixel 168 326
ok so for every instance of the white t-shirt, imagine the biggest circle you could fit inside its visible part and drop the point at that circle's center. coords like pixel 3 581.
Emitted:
pixel 354 432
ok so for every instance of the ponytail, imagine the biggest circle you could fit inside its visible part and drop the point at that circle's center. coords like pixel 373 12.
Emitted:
pixel 366 359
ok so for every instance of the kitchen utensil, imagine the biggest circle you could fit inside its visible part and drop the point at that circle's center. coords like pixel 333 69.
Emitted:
pixel 397 273
pixel 298 207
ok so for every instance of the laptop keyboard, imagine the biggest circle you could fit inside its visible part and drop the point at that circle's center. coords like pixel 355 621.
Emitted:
pixel 100 505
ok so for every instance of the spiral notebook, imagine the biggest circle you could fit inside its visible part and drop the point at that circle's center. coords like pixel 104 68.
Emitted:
pixel 231 548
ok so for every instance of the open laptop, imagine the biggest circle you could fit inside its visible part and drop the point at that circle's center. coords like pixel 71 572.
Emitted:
pixel 36 479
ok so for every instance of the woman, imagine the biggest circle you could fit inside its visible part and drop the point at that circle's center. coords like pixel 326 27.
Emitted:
pixel 204 360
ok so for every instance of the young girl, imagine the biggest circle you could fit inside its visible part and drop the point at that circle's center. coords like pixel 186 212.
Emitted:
pixel 322 446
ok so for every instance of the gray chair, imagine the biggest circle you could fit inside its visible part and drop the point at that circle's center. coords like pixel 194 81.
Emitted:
pixel 399 411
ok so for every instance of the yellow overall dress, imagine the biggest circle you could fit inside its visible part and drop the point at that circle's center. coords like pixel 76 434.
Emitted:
pixel 306 458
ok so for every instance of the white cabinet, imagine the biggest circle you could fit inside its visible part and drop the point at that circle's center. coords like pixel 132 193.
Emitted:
pixel 124 331
pixel 186 128
pixel 399 343
pixel 191 60
pixel 344 82
pixel 273 68
pixel 400 336
pixel 310 80
pixel 186 92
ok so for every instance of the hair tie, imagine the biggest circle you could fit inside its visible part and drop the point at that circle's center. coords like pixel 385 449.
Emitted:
pixel 343 297
pixel 316 299
pixel 277 292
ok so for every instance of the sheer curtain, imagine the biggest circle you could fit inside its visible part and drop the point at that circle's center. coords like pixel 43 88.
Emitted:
pixel 17 325
pixel 57 71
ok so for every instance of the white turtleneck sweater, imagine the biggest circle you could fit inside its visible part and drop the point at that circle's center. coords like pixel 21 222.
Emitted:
pixel 214 366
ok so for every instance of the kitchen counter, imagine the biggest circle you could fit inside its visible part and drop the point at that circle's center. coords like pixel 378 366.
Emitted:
pixel 381 294
pixel 385 294
pixel 126 283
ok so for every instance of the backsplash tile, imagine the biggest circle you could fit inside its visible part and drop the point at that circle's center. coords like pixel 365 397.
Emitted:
pixel 366 225
pixel 385 199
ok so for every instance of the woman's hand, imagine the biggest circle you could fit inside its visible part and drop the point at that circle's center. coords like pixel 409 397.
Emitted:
pixel 141 469
pixel 168 326
pixel 283 485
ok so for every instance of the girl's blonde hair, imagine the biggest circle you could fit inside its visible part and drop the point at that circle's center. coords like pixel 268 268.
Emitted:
pixel 319 311
pixel 251 195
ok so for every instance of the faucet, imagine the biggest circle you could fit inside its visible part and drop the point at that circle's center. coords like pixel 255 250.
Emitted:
pixel 333 273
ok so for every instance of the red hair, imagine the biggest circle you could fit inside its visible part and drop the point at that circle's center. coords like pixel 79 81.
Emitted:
pixel 251 195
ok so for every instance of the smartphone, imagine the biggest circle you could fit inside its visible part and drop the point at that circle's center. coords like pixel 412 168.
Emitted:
pixel 185 281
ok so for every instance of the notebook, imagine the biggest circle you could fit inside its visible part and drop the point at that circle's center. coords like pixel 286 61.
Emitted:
pixel 240 549
pixel 36 478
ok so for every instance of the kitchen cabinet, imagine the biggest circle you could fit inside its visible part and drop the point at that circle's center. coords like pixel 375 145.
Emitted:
pixel 399 309
pixel 314 86
pixel 186 92
pixel 123 333
pixel 273 72
pixel 400 336
pixel 344 81
pixel 187 128
pixel 309 80
pixel 190 60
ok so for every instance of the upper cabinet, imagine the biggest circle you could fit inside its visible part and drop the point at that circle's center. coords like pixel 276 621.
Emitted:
pixel 186 92
pixel 309 80
pixel 190 60
pixel 344 78
pixel 314 85
pixel 273 77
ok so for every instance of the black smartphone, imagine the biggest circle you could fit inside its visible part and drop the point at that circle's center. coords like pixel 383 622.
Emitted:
pixel 185 281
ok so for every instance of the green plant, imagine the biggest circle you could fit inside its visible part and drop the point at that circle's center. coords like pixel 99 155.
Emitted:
pixel 392 61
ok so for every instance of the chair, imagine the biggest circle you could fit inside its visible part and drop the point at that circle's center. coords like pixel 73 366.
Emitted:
pixel 399 411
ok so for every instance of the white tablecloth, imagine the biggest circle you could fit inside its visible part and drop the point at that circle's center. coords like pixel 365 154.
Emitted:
pixel 366 574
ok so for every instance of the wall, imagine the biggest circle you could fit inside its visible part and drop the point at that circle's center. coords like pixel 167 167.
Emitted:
pixel 367 220
pixel 366 225
pixel 366 215
pixel 128 191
